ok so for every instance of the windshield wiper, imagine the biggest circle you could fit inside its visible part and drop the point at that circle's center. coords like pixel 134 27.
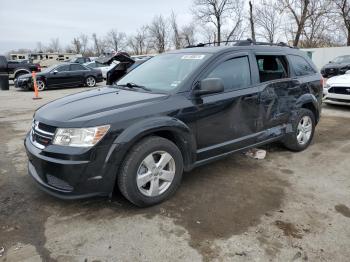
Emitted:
pixel 133 85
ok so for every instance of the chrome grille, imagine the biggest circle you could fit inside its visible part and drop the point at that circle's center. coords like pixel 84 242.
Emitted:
pixel 42 134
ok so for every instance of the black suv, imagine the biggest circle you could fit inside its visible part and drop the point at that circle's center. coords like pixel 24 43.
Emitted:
pixel 173 113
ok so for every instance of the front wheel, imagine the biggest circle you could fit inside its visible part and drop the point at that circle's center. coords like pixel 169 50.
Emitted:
pixel 40 84
pixel 151 172
pixel 90 81
pixel 303 131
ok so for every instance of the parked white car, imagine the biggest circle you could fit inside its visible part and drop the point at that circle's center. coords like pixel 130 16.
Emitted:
pixel 104 68
pixel 337 90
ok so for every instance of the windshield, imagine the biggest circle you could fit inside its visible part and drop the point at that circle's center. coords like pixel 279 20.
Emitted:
pixel 164 72
pixel 342 59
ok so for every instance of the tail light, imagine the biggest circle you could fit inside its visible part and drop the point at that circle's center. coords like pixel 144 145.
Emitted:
pixel 38 68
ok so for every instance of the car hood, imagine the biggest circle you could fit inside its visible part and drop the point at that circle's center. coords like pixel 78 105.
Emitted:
pixel 25 76
pixel 341 80
pixel 335 65
pixel 79 109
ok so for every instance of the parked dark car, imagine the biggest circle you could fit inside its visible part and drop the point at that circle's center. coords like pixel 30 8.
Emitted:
pixel 62 75
pixel 173 113
pixel 338 66
pixel 18 68
pixel 80 60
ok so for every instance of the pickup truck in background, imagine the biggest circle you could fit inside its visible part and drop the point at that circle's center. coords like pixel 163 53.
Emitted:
pixel 18 68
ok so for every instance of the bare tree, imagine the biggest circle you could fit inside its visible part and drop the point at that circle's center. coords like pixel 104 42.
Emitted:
pixel 39 47
pixel 158 33
pixel 54 45
pixel 300 11
pixel 116 40
pixel 84 41
pixel 342 8
pixel 139 43
pixel 76 45
pixel 251 20
pixel 187 35
pixel 176 38
pixel 215 12
pixel 268 20
pixel 208 34
pixel 97 45
pixel 317 31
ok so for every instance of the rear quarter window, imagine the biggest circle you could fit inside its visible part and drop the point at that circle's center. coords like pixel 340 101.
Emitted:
pixel 301 66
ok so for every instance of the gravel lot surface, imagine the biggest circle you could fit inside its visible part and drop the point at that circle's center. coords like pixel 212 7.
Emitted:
pixel 287 207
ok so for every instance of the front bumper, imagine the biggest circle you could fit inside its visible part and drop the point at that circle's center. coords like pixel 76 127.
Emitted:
pixel 336 99
pixel 23 83
pixel 71 175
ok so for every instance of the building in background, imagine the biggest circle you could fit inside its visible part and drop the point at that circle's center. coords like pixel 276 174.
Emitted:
pixel 322 56
pixel 45 59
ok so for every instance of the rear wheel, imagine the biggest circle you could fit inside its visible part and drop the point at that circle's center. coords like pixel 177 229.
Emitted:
pixel 90 81
pixel 151 172
pixel 304 128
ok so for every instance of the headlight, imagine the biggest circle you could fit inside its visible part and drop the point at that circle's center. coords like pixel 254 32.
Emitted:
pixel 80 137
pixel 327 86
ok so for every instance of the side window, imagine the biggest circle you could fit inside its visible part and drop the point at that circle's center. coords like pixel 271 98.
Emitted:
pixel 272 67
pixel 92 65
pixel 63 68
pixel 235 73
pixel 301 66
pixel 76 67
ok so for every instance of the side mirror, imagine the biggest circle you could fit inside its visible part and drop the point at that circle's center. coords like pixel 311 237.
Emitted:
pixel 54 72
pixel 209 86
pixel 330 62
pixel 347 72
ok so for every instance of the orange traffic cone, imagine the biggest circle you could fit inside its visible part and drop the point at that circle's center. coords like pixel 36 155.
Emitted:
pixel 36 91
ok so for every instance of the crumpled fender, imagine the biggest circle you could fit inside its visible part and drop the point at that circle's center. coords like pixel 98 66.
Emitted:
pixel 307 99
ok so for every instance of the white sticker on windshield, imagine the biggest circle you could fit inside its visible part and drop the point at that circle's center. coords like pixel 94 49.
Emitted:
pixel 193 57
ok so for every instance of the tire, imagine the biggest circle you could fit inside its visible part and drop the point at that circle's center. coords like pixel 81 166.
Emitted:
pixel 90 81
pixel 40 84
pixel 303 131
pixel 139 175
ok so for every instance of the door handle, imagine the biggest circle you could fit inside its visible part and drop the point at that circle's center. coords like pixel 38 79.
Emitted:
pixel 250 97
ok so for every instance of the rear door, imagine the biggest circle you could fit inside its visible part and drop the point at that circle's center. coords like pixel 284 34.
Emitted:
pixel 77 74
pixel 275 84
pixel 227 121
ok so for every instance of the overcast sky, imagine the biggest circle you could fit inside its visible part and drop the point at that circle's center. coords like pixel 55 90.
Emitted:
pixel 23 23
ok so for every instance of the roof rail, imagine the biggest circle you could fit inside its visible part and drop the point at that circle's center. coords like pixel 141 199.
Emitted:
pixel 246 42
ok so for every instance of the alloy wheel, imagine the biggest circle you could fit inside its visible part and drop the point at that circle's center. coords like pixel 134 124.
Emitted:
pixel 90 81
pixel 40 84
pixel 304 130
pixel 156 173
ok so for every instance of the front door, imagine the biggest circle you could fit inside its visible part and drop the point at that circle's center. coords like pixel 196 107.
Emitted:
pixel 59 76
pixel 227 121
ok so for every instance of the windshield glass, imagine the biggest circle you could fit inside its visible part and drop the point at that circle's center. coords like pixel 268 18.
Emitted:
pixel 164 72
pixel 342 59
